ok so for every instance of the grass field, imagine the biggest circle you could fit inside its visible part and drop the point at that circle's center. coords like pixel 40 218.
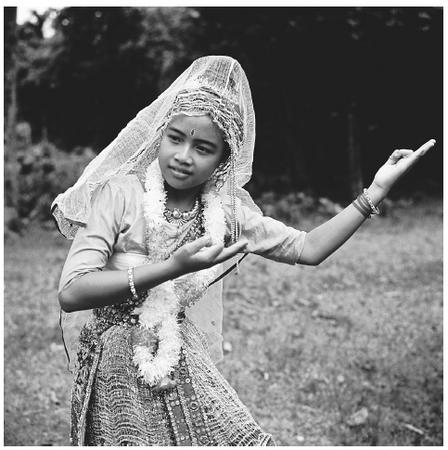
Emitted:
pixel 347 353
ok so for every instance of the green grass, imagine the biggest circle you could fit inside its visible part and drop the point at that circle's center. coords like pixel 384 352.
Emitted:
pixel 310 345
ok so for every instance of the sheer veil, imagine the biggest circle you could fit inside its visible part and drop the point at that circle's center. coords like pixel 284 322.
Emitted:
pixel 216 85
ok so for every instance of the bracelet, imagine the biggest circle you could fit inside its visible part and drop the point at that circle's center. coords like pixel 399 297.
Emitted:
pixel 366 195
pixel 131 283
pixel 363 211
pixel 364 203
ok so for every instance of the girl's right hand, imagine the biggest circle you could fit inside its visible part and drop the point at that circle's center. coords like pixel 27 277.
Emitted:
pixel 200 254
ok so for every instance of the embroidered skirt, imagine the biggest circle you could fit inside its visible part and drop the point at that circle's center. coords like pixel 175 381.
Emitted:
pixel 113 406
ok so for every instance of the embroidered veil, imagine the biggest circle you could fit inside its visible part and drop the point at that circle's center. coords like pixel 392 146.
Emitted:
pixel 214 85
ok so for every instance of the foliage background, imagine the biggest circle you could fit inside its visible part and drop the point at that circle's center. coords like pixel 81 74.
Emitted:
pixel 335 89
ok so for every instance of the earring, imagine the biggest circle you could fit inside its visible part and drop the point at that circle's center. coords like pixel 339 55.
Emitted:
pixel 218 179
pixel 219 182
pixel 219 176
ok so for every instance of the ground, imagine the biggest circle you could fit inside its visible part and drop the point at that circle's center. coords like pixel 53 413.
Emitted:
pixel 346 353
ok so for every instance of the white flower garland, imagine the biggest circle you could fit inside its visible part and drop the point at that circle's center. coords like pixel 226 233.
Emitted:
pixel 159 310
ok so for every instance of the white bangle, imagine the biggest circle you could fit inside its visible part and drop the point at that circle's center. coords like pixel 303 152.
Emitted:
pixel 374 209
pixel 131 283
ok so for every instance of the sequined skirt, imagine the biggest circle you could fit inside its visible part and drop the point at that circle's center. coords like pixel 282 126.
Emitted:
pixel 113 406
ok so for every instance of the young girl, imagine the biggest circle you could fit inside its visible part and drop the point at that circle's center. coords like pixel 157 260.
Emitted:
pixel 153 216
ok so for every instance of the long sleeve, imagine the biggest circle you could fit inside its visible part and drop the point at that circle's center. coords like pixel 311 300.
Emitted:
pixel 93 245
pixel 268 237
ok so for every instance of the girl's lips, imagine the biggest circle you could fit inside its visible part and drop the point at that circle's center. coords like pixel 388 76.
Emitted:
pixel 177 173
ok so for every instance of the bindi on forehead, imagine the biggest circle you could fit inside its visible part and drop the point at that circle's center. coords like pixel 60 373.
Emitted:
pixel 194 125
pixel 201 128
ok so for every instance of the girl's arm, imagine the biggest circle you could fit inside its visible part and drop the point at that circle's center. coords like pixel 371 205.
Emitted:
pixel 98 289
pixel 322 241
pixel 103 288
pixel 84 284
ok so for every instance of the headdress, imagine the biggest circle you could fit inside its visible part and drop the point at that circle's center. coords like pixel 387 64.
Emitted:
pixel 214 85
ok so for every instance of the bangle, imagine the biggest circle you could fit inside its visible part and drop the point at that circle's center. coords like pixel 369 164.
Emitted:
pixel 131 283
pixel 366 195
pixel 364 203
pixel 361 209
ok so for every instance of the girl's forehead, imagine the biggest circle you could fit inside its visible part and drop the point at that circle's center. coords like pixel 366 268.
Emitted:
pixel 197 123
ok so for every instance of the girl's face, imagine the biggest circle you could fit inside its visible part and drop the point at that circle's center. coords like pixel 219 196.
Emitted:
pixel 191 149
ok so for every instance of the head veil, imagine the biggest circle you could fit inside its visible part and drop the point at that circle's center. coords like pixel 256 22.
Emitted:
pixel 214 85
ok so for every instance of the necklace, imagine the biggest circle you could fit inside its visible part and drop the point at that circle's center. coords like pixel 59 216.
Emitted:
pixel 178 217
pixel 159 310
pixel 195 230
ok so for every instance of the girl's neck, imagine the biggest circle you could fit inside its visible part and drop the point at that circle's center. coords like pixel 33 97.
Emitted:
pixel 181 199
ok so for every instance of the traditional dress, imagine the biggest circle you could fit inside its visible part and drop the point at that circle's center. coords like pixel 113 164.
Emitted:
pixel 111 403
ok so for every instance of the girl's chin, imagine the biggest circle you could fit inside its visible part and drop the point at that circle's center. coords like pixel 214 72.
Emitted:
pixel 178 185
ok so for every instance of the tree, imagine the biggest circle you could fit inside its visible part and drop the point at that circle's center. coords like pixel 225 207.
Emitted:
pixel 10 75
pixel 101 66
pixel 10 80
pixel 306 67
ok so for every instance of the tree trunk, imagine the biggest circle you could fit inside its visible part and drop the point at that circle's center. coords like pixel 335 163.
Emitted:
pixel 10 74
pixel 10 111
pixel 291 126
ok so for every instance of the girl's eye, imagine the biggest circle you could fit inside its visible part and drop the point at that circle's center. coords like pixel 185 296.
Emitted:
pixel 203 149
pixel 175 138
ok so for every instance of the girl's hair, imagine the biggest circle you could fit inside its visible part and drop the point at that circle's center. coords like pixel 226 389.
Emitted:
pixel 226 151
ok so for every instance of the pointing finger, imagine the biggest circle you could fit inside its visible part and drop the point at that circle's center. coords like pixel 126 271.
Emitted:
pixel 425 147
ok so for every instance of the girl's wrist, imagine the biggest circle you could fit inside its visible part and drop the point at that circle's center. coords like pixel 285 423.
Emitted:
pixel 376 193
pixel 173 268
pixel 147 276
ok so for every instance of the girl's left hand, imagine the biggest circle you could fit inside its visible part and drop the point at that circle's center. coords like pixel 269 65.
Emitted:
pixel 399 162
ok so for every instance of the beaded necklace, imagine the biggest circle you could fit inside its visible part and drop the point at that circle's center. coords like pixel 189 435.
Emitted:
pixel 195 230
pixel 178 217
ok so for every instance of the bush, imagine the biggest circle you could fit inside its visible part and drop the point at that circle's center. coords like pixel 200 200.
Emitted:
pixel 44 172
pixel 292 207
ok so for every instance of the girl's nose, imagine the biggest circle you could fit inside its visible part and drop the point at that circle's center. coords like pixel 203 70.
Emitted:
pixel 184 155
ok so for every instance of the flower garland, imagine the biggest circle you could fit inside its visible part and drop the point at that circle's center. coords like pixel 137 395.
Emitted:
pixel 159 310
